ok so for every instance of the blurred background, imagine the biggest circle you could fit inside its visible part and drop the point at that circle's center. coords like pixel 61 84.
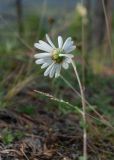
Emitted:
pixel 91 25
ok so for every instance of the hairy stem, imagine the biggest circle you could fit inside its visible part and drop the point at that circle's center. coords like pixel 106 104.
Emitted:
pixel 84 112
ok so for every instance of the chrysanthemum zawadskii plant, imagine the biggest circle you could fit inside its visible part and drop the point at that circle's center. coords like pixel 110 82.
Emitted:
pixel 53 59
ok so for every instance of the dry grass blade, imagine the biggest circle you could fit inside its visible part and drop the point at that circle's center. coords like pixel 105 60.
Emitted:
pixel 104 121
pixel 58 100
pixel 18 87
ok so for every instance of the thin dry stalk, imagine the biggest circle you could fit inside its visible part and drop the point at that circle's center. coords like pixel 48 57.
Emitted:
pixel 108 28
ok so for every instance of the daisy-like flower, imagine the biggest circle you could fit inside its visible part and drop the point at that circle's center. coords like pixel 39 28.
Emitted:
pixel 54 58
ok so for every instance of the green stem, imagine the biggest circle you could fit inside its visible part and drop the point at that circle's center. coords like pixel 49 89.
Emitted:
pixel 84 112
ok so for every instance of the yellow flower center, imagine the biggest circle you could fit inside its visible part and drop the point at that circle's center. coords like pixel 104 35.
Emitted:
pixel 56 55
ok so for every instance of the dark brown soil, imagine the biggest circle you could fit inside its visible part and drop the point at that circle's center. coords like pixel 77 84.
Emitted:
pixel 50 136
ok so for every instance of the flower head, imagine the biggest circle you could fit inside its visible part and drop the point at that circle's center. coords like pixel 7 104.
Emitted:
pixel 54 58
pixel 81 9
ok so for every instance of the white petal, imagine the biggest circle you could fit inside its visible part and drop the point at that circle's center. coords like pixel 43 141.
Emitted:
pixel 43 47
pixel 67 55
pixel 45 65
pixel 58 69
pixel 65 65
pixel 48 70
pixel 46 45
pixel 68 40
pixel 49 41
pixel 41 55
pixel 39 61
pixel 47 60
pixel 44 60
pixel 68 60
pixel 60 42
pixel 52 71
pixel 71 49
pixel 70 44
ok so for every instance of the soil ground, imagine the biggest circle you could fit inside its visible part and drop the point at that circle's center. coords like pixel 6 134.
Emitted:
pixel 49 136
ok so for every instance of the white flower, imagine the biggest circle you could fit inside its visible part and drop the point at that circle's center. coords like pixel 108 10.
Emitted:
pixel 54 58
